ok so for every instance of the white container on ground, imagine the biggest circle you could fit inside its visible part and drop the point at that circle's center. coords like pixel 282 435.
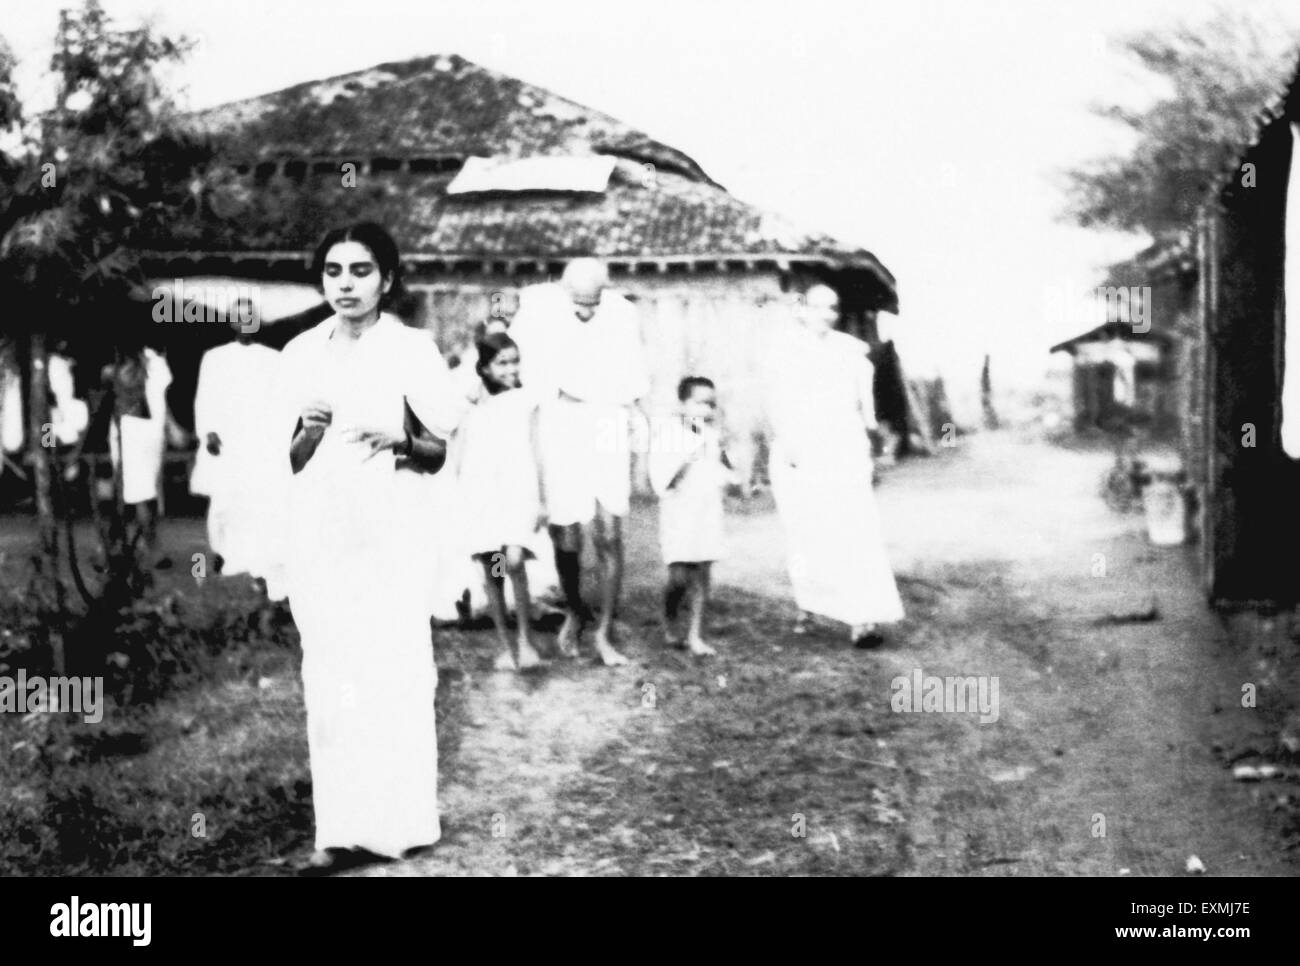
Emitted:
pixel 1165 508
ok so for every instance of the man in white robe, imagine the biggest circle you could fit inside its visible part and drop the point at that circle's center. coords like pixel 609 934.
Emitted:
pixel 819 384
pixel 580 352
pixel 240 463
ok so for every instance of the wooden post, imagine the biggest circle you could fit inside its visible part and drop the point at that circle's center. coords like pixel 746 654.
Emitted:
pixel 986 395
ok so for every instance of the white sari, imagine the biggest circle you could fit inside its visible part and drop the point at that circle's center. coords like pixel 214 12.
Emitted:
pixel 821 406
pixel 360 566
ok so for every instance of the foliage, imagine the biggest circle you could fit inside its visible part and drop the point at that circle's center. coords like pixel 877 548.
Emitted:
pixel 1218 76
pixel 86 798
pixel 109 164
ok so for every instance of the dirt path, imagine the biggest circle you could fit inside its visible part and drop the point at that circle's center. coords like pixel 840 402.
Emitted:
pixel 1130 722
pixel 672 766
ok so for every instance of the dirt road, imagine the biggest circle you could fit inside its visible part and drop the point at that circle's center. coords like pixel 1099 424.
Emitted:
pixel 1109 754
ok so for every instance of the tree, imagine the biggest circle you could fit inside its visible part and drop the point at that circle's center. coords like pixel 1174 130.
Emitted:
pixel 79 185
pixel 1219 75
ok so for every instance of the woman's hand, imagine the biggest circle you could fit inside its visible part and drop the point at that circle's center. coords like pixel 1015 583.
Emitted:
pixel 378 440
pixel 315 418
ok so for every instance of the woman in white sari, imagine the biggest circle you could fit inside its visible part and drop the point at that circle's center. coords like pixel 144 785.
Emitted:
pixel 360 390
pixel 820 405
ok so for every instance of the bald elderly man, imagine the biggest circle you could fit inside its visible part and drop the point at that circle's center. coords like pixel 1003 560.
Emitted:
pixel 580 353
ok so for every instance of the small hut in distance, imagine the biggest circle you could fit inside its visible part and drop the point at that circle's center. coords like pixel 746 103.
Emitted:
pixel 1127 369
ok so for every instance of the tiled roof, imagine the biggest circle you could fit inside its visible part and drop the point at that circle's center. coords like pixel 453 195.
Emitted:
pixel 1111 331
pixel 447 108
pixel 437 106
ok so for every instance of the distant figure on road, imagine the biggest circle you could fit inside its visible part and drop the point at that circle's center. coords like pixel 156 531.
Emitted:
pixel 580 352
pixel 240 464
pixel 820 404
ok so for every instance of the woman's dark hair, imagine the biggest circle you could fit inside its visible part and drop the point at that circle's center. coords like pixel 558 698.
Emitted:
pixel 690 384
pixel 378 241
pixel 491 346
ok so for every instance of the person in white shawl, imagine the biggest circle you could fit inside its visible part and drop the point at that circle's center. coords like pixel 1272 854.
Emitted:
pixel 820 405
pixel 368 402
pixel 238 464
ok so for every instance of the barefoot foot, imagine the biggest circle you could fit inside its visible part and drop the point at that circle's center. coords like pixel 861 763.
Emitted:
pixel 566 642
pixel 697 647
pixel 528 656
pixel 605 651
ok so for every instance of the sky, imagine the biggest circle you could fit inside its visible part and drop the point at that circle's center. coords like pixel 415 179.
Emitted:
pixel 933 132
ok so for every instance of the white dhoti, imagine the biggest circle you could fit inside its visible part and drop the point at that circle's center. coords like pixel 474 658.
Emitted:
pixel 821 401
pixel 586 459
pixel 143 441
pixel 140 453
pixel 837 560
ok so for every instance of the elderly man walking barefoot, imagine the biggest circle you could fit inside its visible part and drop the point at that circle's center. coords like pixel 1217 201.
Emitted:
pixel 580 352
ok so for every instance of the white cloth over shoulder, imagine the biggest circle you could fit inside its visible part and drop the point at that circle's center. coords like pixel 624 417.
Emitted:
pixel 820 404
pixel 362 561
pixel 585 376
pixel 597 361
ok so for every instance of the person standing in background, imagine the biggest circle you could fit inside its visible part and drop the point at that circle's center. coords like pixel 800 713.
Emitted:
pixel 820 404
pixel 237 464
pixel 138 439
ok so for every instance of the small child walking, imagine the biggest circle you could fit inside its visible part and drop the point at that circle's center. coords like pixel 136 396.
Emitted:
pixel 689 470
pixel 500 491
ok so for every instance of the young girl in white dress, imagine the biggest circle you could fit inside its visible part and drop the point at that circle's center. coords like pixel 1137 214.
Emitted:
pixel 500 491
pixel 689 470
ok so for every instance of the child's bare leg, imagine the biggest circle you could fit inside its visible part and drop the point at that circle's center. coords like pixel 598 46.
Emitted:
pixel 678 584
pixel 608 537
pixel 699 598
pixel 567 541
pixel 525 654
pixel 493 585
